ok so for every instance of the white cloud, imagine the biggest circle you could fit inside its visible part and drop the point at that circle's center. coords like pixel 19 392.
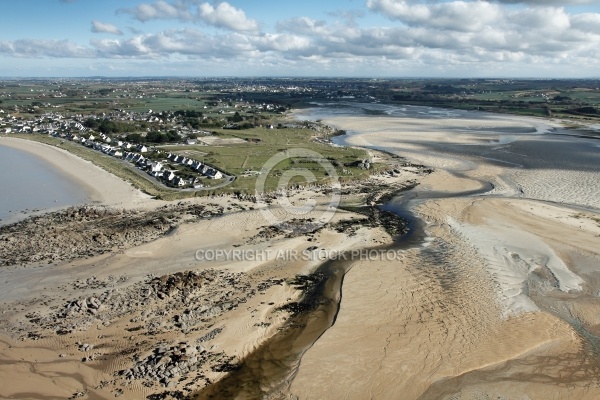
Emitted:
pixel 101 27
pixel 223 15
pixel 304 25
pixel 586 22
pixel 282 43
pixel 29 48
pixel 456 15
pixel 130 48
pixel 186 42
pixel 160 10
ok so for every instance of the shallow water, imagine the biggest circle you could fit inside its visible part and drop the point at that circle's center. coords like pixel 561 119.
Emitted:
pixel 544 163
pixel 29 184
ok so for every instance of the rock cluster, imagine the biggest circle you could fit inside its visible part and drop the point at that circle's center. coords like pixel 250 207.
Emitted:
pixel 81 232
pixel 167 363
pixel 190 303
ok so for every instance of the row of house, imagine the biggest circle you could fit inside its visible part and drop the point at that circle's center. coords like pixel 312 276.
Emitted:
pixel 155 169
pixel 196 165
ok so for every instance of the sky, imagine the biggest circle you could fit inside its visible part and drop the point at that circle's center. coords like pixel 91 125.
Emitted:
pixel 316 38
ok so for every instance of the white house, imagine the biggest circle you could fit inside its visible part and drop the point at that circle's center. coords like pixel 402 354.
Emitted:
pixel 116 153
pixel 178 181
pixel 156 166
pixel 169 175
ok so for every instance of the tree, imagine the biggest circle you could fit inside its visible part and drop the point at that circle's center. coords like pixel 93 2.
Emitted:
pixel 134 138
pixel 155 137
pixel 92 123
pixel 173 136
pixel 236 117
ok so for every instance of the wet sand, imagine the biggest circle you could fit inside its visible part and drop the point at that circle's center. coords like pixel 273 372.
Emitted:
pixel 153 318
pixel 501 299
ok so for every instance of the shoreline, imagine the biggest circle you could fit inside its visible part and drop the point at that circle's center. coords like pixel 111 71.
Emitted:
pixel 501 283
pixel 91 298
pixel 100 186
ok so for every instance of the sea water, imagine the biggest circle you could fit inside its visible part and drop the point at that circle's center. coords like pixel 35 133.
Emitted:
pixel 546 164
pixel 29 184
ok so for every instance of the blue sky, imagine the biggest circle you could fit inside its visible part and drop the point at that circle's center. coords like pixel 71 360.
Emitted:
pixel 364 38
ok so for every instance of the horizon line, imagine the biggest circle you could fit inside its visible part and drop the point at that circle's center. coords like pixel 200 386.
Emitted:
pixel 294 77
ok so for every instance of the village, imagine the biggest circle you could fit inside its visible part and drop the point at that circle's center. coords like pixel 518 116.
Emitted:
pixel 168 168
pixel 154 162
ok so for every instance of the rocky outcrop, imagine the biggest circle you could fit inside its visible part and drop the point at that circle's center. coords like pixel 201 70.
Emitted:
pixel 81 232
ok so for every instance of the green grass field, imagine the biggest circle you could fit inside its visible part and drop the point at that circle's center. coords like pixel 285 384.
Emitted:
pixel 242 160
pixel 262 144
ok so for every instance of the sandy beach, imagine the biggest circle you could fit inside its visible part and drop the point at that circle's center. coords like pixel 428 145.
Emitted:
pixel 134 297
pixel 101 187
pixel 499 302
pixel 497 299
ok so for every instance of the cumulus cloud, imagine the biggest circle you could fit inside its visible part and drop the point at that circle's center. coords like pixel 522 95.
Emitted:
pixel 187 42
pixel 130 48
pixel 424 33
pixel 223 15
pixel 304 25
pixel 160 10
pixel 282 43
pixel 587 22
pixel 549 2
pixel 456 15
pixel 101 27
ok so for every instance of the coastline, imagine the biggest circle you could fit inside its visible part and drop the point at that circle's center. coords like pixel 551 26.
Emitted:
pixel 100 186
pixel 75 310
pixel 501 290
pixel 479 310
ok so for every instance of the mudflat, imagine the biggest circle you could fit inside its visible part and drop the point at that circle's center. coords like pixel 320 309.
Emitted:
pixel 501 299
pixel 498 297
